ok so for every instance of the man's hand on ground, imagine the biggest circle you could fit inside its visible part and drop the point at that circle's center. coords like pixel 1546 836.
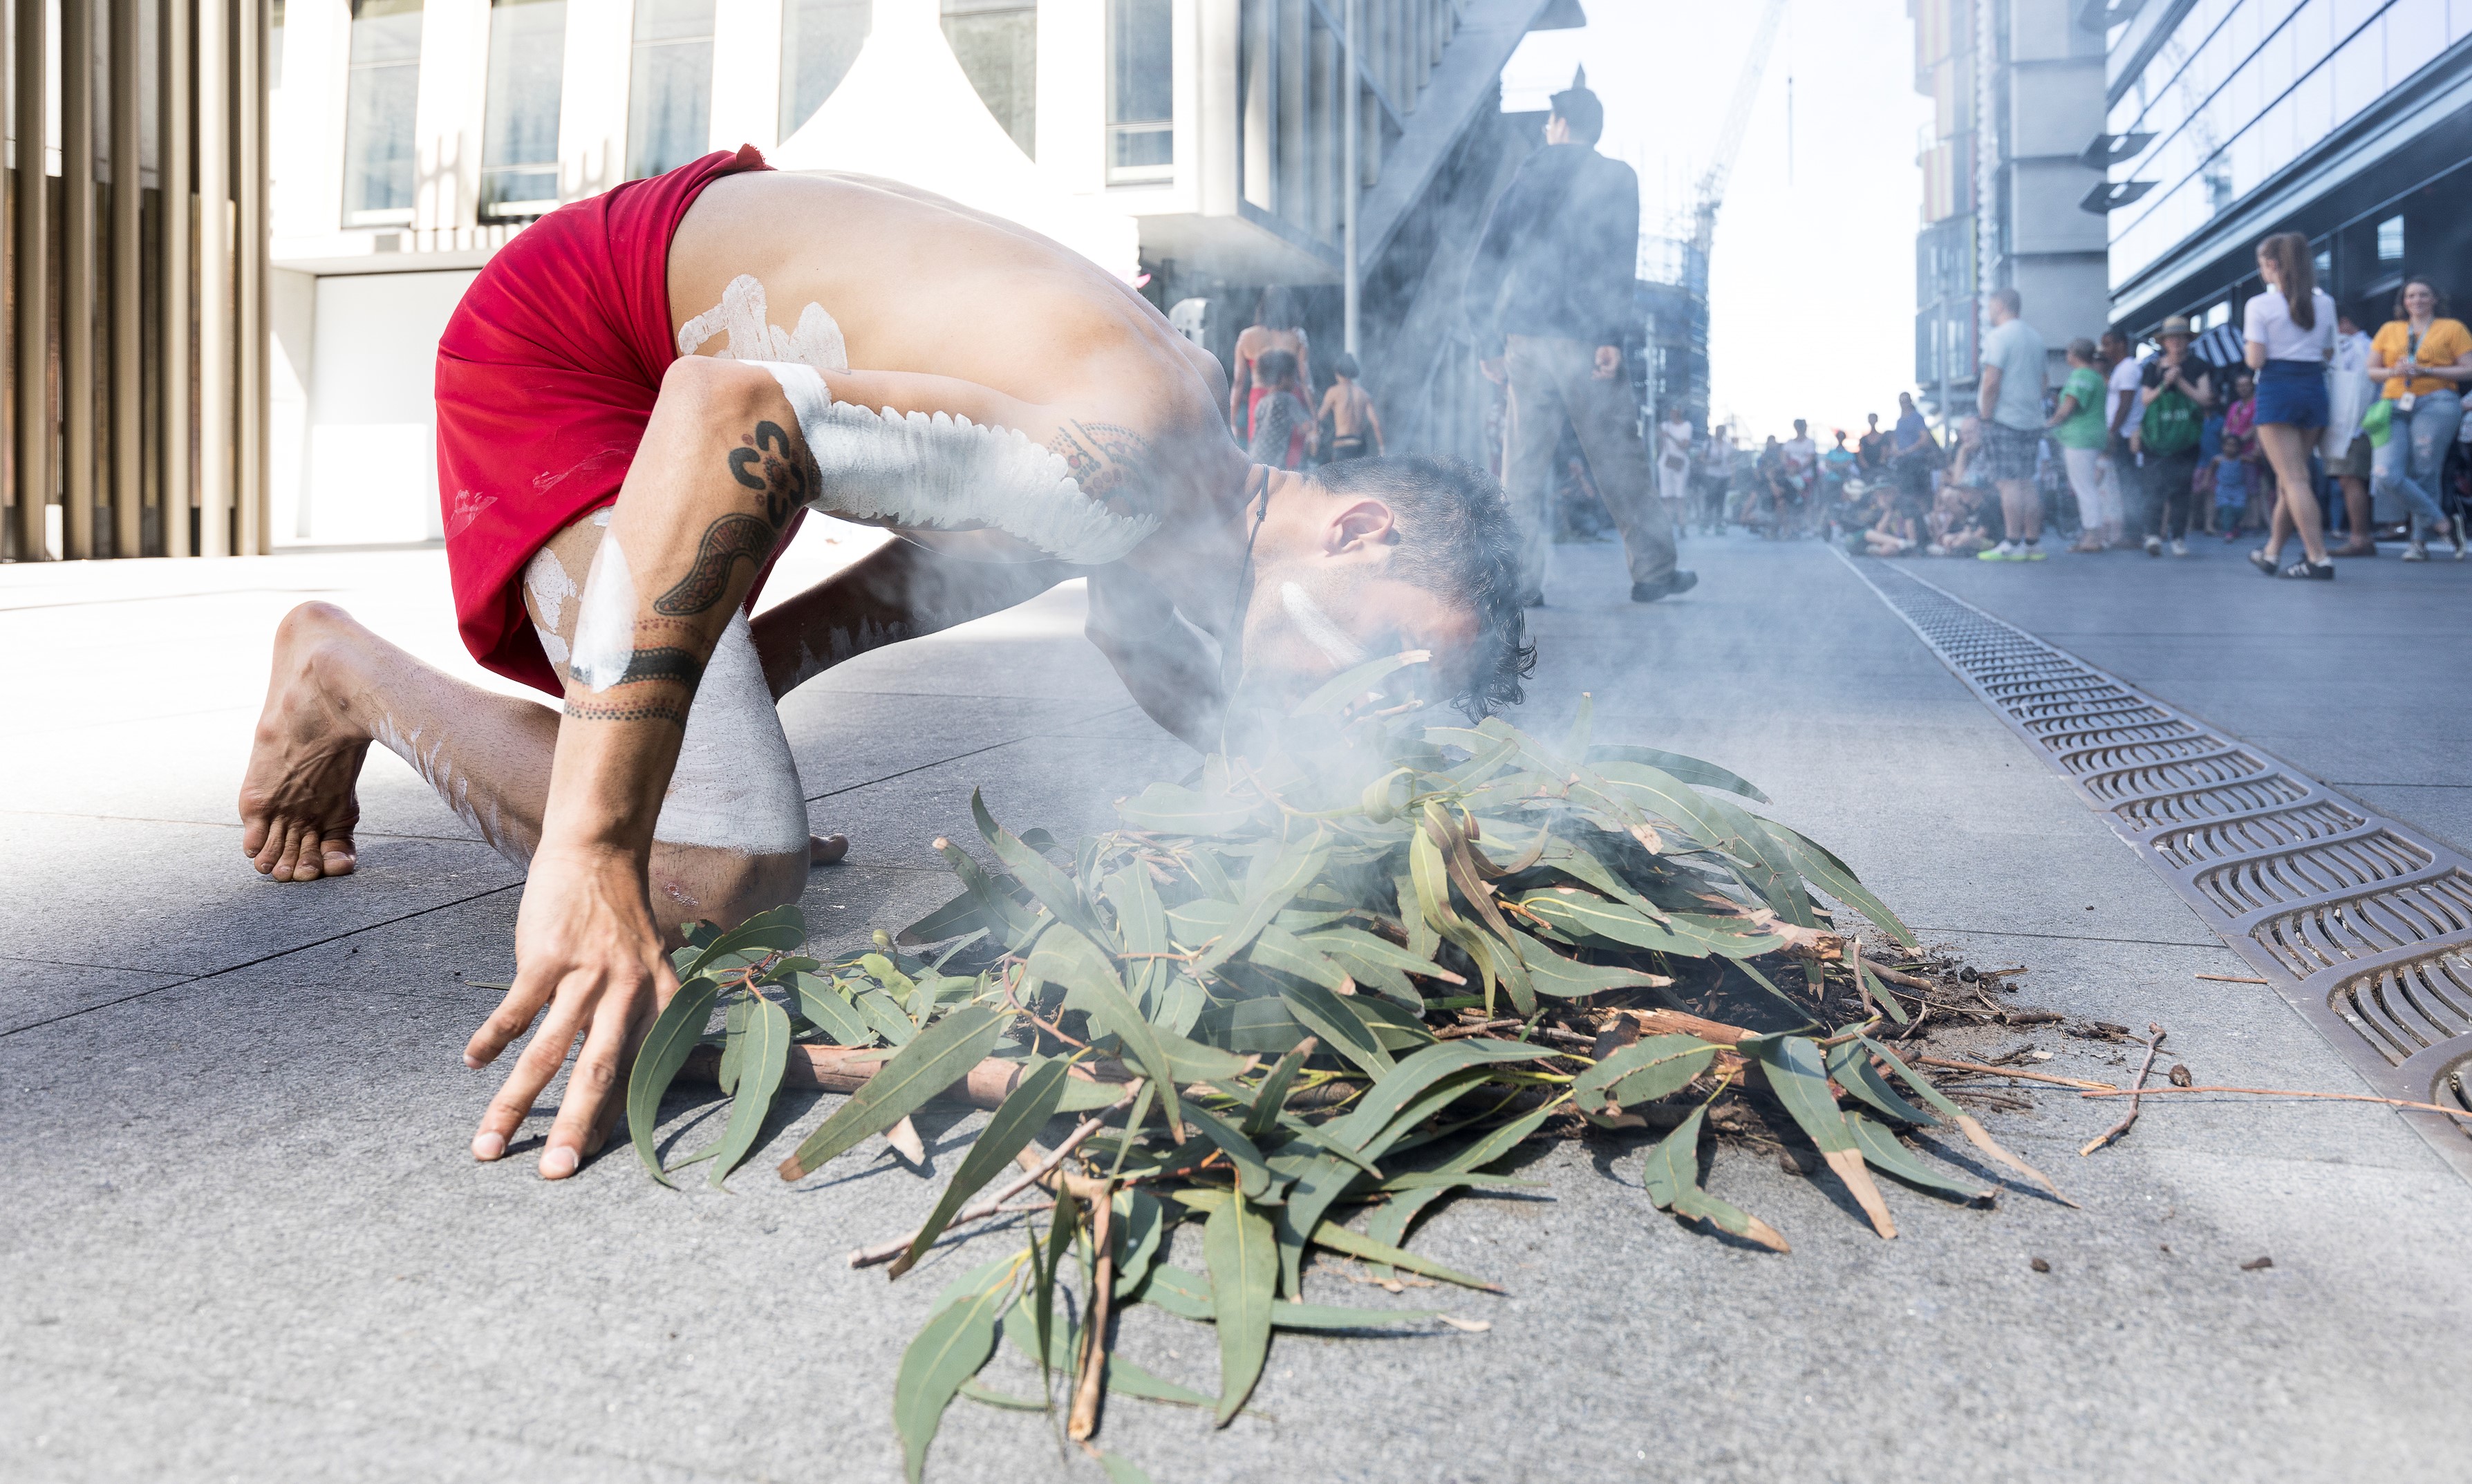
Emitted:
pixel 586 950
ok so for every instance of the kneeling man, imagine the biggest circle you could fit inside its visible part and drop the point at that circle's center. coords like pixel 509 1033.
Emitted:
pixel 638 399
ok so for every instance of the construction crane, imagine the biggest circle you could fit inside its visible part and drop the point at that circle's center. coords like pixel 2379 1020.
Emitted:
pixel 1711 193
pixel 1676 295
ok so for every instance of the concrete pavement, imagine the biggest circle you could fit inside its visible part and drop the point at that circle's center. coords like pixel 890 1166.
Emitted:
pixel 245 1240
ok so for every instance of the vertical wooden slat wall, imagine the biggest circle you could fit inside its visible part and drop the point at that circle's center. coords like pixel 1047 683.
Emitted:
pixel 135 361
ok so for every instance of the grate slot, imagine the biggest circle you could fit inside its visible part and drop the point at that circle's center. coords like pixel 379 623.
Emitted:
pixel 2363 925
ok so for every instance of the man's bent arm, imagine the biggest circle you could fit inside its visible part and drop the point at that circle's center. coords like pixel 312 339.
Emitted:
pixel 899 591
pixel 716 478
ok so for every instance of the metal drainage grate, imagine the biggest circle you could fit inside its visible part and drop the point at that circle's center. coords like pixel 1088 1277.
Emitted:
pixel 2361 923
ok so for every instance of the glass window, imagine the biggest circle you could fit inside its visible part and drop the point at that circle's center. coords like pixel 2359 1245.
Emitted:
pixel 819 39
pixel 2415 32
pixel 380 99
pixel 668 96
pixel 1141 97
pixel 996 41
pixel 2360 71
pixel 2391 240
pixel 519 132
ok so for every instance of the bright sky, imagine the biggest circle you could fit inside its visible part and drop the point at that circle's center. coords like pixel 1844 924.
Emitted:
pixel 1812 278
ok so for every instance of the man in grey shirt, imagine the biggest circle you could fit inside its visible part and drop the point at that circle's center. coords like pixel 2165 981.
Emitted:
pixel 2012 405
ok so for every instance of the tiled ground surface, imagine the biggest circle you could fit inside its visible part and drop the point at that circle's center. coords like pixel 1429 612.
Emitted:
pixel 244 1240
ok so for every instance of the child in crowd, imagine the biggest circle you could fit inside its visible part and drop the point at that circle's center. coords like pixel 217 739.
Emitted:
pixel 1349 407
pixel 1283 426
pixel 2236 461
pixel 1961 517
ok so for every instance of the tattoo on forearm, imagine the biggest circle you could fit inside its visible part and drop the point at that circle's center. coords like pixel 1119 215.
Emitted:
pixel 725 541
pixel 1102 455
pixel 664 664
pixel 630 710
pixel 783 483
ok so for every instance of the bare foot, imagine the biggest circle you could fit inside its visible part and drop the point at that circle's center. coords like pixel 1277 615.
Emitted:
pixel 296 802
pixel 827 849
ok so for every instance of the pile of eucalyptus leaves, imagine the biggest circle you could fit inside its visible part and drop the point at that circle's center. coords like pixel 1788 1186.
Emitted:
pixel 1346 979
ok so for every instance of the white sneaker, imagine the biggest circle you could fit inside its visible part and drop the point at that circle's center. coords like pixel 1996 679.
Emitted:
pixel 2179 548
pixel 2153 545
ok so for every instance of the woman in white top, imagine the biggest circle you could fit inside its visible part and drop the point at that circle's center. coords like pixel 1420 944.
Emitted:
pixel 1674 438
pixel 2290 333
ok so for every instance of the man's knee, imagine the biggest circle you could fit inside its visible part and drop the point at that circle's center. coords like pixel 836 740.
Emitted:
pixel 723 887
pixel 717 392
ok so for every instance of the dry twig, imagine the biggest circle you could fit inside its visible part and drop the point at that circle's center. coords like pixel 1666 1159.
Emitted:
pixel 1951 1064
pixel 2285 1091
pixel 2154 1042
pixel 886 1251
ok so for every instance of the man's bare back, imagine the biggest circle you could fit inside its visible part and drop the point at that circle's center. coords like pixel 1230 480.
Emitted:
pixel 666 778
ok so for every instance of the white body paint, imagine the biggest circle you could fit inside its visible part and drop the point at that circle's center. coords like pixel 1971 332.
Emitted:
pixel 605 626
pixel 545 578
pixel 736 787
pixel 746 319
pixel 948 473
pixel 1316 626
pixel 438 770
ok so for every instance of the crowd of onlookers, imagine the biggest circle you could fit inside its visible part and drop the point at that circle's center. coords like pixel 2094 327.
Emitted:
pixel 2298 426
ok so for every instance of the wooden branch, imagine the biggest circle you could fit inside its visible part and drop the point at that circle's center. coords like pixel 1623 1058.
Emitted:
pixel 2285 1091
pixel 886 1251
pixel 1951 1064
pixel 840 1069
pixel 2154 1040
pixel 1084 1419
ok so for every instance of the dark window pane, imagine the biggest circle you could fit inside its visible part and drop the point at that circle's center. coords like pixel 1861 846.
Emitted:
pixel 381 97
pixel 1142 67
pixel 669 100
pixel 998 45
pixel 526 65
pixel 819 39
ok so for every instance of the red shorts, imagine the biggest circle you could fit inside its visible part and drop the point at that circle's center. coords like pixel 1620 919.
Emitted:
pixel 546 376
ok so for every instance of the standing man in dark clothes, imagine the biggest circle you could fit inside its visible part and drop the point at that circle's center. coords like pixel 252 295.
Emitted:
pixel 1549 295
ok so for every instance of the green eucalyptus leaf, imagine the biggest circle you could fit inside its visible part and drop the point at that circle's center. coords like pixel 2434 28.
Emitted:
pixel 1671 1176
pixel 762 1063
pixel 1238 1245
pixel 1883 1152
pixel 825 1009
pixel 674 1035
pixel 941 1055
pixel 952 1347
pixel 1642 1072
pixel 1009 1129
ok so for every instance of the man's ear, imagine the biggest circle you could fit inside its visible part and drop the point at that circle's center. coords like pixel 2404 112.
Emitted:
pixel 1360 524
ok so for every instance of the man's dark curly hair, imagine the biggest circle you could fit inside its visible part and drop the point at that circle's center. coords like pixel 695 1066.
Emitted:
pixel 1456 538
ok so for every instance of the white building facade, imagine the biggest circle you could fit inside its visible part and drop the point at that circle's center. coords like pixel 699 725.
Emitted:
pixel 1200 138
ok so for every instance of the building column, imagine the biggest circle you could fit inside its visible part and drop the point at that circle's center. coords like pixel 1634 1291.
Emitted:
pixel 30 242
pixel 128 392
pixel 177 229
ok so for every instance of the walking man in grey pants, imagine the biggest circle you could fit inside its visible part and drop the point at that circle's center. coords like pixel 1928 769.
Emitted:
pixel 1549 296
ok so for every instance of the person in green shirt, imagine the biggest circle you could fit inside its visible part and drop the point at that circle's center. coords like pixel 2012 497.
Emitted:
pixel 2076 426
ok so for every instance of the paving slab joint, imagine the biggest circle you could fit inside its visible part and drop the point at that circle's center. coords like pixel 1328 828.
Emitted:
pixel 2360 922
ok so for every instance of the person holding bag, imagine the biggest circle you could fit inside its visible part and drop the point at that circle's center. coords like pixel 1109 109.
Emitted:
pixel 2289 330
pixel 2176 391
pixel 2425 358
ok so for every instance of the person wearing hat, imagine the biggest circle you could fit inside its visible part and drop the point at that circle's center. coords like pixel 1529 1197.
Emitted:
pixel 2174 392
